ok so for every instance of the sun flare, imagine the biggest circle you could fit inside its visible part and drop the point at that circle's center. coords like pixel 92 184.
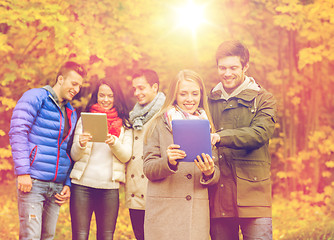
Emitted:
pixel 190 15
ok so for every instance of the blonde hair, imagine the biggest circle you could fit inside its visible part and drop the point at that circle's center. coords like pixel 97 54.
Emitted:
pixel 183 75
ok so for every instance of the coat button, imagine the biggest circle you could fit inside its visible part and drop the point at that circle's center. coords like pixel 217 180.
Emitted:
pixel 222 185
pixel 223 214
pixel 142 196
pixel 188 197
pixel 142 176
pixel 220 156
pixel 189 176
pixel 132 195
pixel 136 137
pixel 133 157
pixel 132 175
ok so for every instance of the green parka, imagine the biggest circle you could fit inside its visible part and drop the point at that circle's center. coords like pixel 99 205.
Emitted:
pixel 245 124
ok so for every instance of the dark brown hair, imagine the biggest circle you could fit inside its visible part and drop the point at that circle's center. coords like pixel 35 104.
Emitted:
pixel 71 66
pixel 150 76
pixel 119 100
pixel 233 48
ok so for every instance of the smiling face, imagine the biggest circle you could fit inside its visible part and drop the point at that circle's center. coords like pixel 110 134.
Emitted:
pixel 69 86
pixel 231 72
pixel 188 96
pixel 143 91
pixel 105 97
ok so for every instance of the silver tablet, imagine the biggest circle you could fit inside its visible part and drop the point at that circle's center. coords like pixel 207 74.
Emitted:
pixel 96 125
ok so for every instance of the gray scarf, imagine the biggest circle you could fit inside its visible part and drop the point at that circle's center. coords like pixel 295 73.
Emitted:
pixel 142 114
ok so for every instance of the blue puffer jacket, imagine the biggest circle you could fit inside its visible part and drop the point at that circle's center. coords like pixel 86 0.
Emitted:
pixel 36 137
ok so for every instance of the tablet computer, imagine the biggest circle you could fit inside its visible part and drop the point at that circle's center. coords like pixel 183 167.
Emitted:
pixel 96 125
pixel 193 136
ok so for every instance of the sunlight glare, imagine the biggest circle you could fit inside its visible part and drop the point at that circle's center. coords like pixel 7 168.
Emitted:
pixel 191 15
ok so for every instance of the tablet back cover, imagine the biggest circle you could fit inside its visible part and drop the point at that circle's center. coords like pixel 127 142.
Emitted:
pixel 96 125
pixel 193 136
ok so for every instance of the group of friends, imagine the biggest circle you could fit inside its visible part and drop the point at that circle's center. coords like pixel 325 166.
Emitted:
pixel 211 198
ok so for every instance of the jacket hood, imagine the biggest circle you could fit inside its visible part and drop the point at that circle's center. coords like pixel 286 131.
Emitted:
pixel 55 97
pixel 247 91
pixel 52 92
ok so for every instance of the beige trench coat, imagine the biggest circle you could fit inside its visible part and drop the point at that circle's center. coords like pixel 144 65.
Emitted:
pixel 136 181
pixel 177 205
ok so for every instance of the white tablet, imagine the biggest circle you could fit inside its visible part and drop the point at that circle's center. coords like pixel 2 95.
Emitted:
pixel 96 125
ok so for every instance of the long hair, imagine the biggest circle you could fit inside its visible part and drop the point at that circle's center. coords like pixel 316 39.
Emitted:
pixel 183 75
pixel 119 102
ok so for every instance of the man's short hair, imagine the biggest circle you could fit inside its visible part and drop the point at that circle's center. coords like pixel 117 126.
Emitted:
pixel 150 75
pixel 233 48
pixel 71 66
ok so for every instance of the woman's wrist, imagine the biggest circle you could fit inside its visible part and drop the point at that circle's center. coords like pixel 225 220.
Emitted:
pixel 209 176
pixel 173 166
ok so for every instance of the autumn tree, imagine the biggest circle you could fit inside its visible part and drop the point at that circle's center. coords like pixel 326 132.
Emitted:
pixel 290 42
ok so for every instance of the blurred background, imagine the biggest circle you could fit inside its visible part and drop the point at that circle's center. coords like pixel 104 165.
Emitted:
pixel 291 45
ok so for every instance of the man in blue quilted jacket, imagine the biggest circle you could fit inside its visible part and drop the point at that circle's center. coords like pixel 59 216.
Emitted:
pixel 41 126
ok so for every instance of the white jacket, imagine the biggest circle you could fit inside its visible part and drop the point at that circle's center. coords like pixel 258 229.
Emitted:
pixel 99 165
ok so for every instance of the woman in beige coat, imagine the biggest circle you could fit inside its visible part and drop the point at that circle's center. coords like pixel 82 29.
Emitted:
pixel 177 205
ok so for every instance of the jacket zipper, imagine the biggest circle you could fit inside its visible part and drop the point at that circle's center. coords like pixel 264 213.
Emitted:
pixel 58 148
pixel 69 114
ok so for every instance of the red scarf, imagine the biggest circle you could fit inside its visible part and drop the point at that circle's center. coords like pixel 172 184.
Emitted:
pixel 114 122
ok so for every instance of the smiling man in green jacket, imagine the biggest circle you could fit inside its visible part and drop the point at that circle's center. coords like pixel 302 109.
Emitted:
pixel 244 116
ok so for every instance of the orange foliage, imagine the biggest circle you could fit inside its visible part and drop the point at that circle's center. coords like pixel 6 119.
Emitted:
pixel 291 46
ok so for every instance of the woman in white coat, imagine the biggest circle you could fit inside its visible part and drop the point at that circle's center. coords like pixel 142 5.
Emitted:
pixel 100 166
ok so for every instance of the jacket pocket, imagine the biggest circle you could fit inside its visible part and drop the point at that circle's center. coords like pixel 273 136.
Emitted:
pixel 257 156
pixel 32 155
pixel 253 185
pixel 78 170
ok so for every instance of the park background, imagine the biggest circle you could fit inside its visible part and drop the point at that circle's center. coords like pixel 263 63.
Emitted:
pixel 291 44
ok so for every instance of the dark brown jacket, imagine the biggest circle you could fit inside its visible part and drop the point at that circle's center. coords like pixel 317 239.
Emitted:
pixel 245 124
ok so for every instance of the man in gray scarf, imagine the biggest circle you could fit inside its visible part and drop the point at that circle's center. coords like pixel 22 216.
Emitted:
pixel 149 101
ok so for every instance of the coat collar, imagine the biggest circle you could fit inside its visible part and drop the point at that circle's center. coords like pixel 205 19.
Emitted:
pixel 54 97
pixel 247 91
